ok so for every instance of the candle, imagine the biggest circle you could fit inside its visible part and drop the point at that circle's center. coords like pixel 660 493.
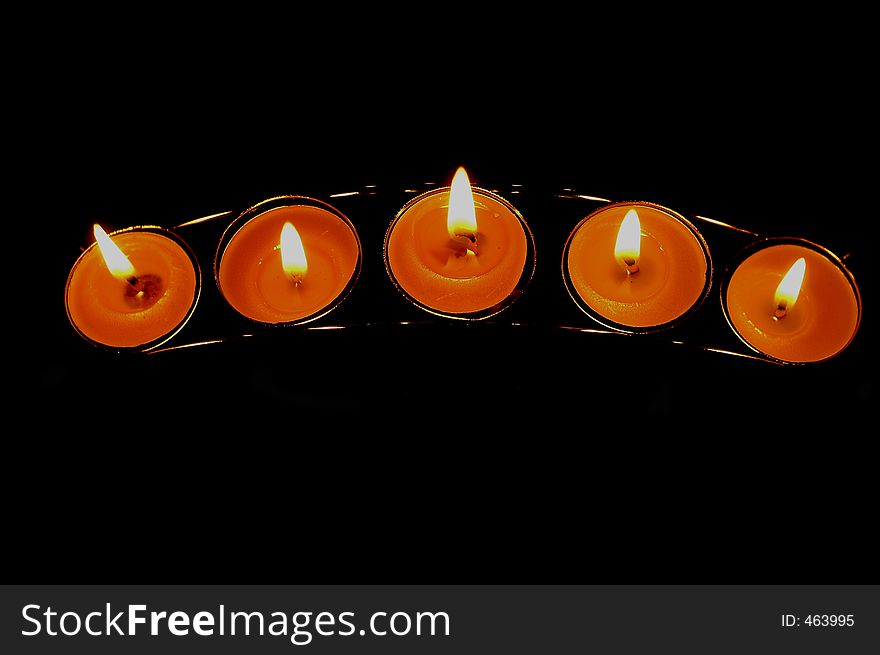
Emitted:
pixel 636 267
pixel 460 252
pixel 132 289
pixel 792 300
pixel 288 260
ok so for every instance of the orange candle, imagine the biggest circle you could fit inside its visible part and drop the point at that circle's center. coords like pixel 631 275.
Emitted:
pixel 793 301
pixel 288 260
pixel 636 266
pixel 133 289
pixel 460 252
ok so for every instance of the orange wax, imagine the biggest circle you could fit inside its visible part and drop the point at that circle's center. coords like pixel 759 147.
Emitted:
pixel 104 310
pixel 441 276
pixel 822 321
pixel 251 276
pixel 673 275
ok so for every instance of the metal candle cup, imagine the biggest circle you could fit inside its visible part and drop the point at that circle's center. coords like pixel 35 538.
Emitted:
pixel 139 308
pixel 813 322
pixel 254 278
pixel 662 281
pixel 459 274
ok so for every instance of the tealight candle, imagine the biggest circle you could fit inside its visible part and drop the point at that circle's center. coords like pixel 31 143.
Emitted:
pixel 792 300
pixel 636 267
pixel 288 260
pixel 460 252
pixel 132 289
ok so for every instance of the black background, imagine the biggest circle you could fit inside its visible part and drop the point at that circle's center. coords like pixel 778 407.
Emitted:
pixel 204 479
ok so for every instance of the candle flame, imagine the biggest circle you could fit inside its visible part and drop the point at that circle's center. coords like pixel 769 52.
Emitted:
pixel 462 217
pixel 790 287
pixel 629 242
pixel 293 254
pixel 116 261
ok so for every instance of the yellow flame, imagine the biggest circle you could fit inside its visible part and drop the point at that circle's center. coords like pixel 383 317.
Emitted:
pixel 116 261
pixel 629 240
pixel 462 216
pixel 790 288
pixel 293 255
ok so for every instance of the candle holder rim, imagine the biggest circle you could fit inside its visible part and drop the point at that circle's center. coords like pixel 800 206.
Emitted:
pixel 524 279
pixel 622 327
pixel 767 242
pixel 277 202
pixel 168 233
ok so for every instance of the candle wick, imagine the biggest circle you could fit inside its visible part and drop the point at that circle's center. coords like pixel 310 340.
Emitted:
pixel 143 291
pixel 630 265
pixel 781 310
pixel 468 239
